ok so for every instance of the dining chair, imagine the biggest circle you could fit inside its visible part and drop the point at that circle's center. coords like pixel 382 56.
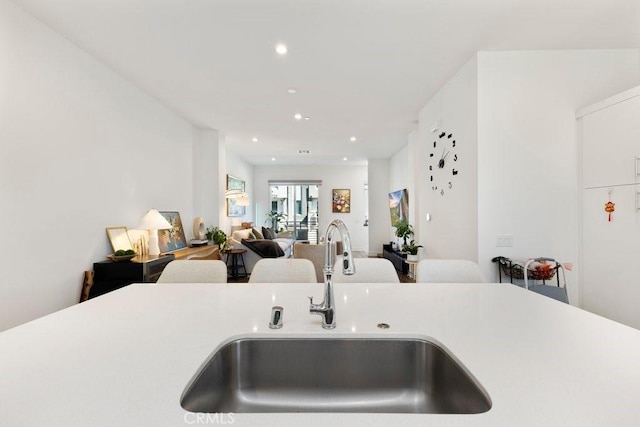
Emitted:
pixel 448 271
pixel 368 270
pixel 194 271
pixel 277 270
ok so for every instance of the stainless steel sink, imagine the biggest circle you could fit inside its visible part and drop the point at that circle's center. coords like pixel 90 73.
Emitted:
pixel 334 375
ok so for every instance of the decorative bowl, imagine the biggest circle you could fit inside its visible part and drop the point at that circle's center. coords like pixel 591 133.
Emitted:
pixel 118 258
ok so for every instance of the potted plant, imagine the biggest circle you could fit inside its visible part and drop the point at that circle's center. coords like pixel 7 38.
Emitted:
pixel 412 250
pixel 275 217
pixel 218 237
pixel 404 230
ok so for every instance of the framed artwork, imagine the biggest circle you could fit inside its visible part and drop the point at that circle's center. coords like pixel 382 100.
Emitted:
pixel 119 238
pixel 341 200
pixel 173 238
pixel 233 209
pixel 399 206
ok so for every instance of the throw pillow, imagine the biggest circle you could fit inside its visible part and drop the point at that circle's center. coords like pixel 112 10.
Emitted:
pixel 268 233
pixel 257 234
pixel 243 234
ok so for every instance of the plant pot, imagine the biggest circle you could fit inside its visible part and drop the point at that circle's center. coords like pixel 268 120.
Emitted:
pixel 412 257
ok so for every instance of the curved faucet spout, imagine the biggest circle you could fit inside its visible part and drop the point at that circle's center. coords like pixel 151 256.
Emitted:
pixel 327 309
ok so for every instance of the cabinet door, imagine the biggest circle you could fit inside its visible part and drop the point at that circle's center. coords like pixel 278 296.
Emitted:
pixel 610 143
pixel 611 255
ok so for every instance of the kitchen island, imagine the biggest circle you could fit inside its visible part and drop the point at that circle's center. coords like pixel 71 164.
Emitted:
pixel 124 359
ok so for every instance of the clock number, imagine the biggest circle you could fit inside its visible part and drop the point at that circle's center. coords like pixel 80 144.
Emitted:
pixel 455 172
pixel 431 178
pixel 442 192
pixel 431 155
pixel 442 135
pixel 430 167
pixel 449 136
pixel 450 185
pixel 454 143
pixel 455 157
pixel 434 144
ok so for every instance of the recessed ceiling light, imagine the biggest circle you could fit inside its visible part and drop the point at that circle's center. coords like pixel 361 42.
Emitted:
pixel 307 118
pixel 297 116
pixel 254 139
pixel 353 139
pixel 273 159
pixel 344 158
pixel 281 49
pixel 292 90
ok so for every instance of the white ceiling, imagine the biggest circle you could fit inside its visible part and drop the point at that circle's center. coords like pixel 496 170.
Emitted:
pixel 362 68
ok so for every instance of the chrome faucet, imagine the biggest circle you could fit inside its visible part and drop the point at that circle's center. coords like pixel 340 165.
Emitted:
pixel 327 308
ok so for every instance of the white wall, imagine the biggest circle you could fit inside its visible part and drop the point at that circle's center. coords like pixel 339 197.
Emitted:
pixel 453 229
pixel 352 177
pixel 237 167
pixel 527 146
pixel 380 230
pixel 208 188
pixel 80 149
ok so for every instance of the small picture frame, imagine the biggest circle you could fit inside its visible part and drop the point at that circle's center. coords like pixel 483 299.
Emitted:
pixel 341 200
pixel 119 238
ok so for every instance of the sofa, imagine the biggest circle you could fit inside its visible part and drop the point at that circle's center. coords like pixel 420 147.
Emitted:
pixel 251 257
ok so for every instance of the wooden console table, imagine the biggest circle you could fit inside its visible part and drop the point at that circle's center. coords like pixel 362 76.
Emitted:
pixel 110 275
pixel 198 252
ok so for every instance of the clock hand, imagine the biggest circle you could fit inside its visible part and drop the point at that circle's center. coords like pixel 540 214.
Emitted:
pixel 444 156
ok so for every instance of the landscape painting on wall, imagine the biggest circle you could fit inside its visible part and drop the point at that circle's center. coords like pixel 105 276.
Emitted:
pixel 341 201
pixel 233 209
pixel 399 206
pixel 173 238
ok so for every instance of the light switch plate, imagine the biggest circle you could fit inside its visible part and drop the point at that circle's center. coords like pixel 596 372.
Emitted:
pixel 504 240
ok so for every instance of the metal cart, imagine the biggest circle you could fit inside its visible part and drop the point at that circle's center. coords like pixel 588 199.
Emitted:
pixel 544 270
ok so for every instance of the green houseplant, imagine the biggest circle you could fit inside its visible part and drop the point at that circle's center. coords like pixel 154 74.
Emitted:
pixel 218 237
pixel 411 248
pixel 274 218
pixel 404 230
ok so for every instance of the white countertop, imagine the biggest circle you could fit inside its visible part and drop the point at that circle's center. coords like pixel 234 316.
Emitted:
pixel 124 359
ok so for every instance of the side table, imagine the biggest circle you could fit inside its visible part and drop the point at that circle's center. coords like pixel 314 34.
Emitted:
pixel 411 272
pixel 235 263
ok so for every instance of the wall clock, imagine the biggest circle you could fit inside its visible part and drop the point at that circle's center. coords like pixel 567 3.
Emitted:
pixel 443 161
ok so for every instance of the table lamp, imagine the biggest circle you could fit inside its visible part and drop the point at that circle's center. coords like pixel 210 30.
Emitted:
pixel 154 221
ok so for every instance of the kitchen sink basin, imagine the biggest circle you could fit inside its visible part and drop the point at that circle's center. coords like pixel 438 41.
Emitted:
pixel 358 375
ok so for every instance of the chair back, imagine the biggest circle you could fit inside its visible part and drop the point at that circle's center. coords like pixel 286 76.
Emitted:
pixel 277 270
pixel 368 270
pixel 448 271
pixel 315 254
pixel 194 271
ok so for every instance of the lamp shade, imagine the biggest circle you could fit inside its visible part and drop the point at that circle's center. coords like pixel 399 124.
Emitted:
pixel 242 200
pixel 153 220
pixel 232 194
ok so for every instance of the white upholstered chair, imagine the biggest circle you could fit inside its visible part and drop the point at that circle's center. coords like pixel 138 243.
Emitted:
pixel 368 270
pixel 194 271
pixel 448 271
pixel 280 270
